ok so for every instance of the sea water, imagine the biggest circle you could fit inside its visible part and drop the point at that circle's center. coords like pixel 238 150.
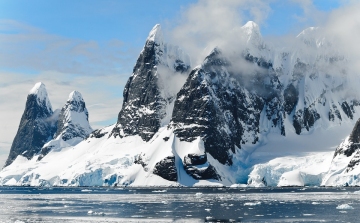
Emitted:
pixel 103 204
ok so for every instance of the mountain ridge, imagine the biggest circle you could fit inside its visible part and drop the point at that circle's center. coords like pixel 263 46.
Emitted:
pixel 205 125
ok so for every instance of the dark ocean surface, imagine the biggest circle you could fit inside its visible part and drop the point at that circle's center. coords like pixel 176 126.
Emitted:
pixel 102 204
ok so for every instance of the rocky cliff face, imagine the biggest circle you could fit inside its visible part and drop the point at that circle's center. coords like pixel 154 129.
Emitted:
pixel 147 100
pixel 344 166
pixel 37 126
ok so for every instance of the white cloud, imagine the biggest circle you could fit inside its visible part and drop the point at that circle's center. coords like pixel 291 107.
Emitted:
pixel 211 23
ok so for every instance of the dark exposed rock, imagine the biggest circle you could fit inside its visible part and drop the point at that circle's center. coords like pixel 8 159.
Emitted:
pixel 214 105
pixel 334 112
pixel 140 160
pixel 355 161
pixel 291 97
pixel 353 145
pixel 143 104
pixel 305 119
pixel 198 167
pixel 44 151
pixel 36 126
pixel 166 169
pixel 99 133
pixel 355 134
pixel 194 159
pixel 347 109
pixel 310 117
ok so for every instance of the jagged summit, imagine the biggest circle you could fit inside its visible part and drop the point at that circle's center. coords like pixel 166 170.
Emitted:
pixel 155 34
pixel 314 37
pixel 307 31
pixel 252 35
pixel 36 125
pixel 75 96
pixel 147 98
pixel 72 125
pixel 251 29
pixel 39 90
pixel 251 25
pixel 74 118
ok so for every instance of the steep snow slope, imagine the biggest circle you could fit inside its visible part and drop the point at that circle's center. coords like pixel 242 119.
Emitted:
pixel 104 161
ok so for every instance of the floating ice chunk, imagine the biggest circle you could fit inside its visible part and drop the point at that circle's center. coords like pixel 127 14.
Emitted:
pixel 252 203
pixel 90 212
pixel 344 207
pixel 207 209
pixel 159 191
pixel 315 203
pixel 198 194
pixel 86 190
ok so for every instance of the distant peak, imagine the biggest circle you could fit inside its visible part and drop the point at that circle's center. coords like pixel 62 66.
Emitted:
pixel 75 96
pixel 38 88
pixel 251 25
pixel 252 31
pixel 155 34
pixel 215 51
pixel 307 31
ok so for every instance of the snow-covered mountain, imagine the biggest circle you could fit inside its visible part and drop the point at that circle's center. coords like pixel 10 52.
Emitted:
pixel 72 125
pixel 246 116
pixel 36 126
pixel 344 169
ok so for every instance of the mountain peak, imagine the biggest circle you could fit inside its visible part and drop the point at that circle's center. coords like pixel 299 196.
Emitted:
pixel 39 90
pixel 252 33
pixel 307 31
pixel 251 24
pixel 251 27
pixel 75 96
pixel 155 34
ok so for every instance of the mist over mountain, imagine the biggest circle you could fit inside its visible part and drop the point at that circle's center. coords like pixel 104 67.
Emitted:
pixel 227 120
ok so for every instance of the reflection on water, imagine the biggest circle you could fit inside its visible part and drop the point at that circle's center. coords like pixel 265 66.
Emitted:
pixel 28 204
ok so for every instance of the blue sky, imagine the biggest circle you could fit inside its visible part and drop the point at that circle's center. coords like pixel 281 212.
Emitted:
pixel 92 45
pixel 131 21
